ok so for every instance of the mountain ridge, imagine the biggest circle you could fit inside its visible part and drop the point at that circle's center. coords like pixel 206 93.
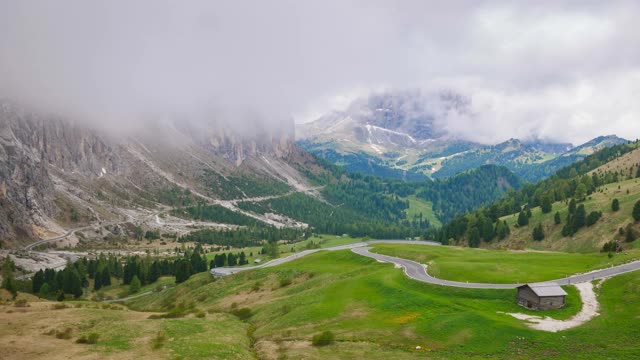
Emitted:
pixel 404 135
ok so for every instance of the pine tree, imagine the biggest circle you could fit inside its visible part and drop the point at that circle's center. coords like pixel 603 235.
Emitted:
pixel 523 219
pixel 37 281
pixel 580 218
pixel 97 282
pixel 615 205
pixel 636 211
pixel 8 282
pixel 581 192
pixel 134 287
pixel 44 290
pixel 538 233
pixel 557 218
pixel 105 277
pixel 474 237
pixel 546 206
pixel 572 206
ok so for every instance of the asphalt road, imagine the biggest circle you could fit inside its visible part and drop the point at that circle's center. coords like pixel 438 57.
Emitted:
pixel 224 271
pixel 417 271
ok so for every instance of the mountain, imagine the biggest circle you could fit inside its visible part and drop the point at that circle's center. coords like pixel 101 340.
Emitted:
pixel 572 210
pixel 57 174
pixel 174 177
pixel 402 135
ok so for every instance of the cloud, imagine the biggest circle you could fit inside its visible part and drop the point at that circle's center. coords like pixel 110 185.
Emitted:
pixel 560 70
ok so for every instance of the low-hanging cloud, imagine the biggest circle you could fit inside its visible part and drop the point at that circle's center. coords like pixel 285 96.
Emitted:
pixel 560 71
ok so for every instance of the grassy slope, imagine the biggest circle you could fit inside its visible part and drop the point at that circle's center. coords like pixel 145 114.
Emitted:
pixel 27 333
pixel 498 266
pixel 376 312
pixel 417 206
pixel 587 239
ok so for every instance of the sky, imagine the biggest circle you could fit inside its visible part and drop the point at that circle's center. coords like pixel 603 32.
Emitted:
pixel 560 71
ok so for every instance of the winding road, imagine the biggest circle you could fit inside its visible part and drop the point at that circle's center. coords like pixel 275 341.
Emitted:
pixel 417 271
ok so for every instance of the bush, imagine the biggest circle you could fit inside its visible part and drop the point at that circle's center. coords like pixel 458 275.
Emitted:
pixel 158 341
pixel 593 217
pixel 90 339
pixel 285 282
pixel 243 313
pixel 323 339
pixel 65 334
pixel 21 303
pixel 615 205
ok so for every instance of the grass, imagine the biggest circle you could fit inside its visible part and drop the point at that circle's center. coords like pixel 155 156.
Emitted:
pixel 39 332
pixel 321 240
pixel 499 266
pixel 587 239
pixel 417 206
pixel 375 311
pixel 118 290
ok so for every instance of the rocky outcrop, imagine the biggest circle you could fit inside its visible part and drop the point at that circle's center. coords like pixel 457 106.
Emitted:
pixel 44 157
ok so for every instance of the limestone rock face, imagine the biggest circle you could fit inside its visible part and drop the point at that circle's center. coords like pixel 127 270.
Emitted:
pixel 48 160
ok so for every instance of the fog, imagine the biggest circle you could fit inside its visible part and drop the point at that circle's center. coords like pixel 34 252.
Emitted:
pixel 559 71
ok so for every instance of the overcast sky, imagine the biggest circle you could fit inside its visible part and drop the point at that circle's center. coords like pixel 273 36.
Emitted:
pixel 561 71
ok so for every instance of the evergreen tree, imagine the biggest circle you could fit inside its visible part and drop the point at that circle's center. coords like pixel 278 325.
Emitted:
pixel 37 281
pixel 631 234
pixel 474 237
pixel 615 204
pixel 593 217
pixel 636 211
pixel 8 282
pixel 557 218
pixel 97 282
pixel 523 219
pixel 154 272
pixel 581 192
pixel 105 277
pixel 44 290
pixel 232 260
pixel 538 233
pixel 71 282
pixel 183 270
pixel 546 206
pixel 502 229
pixel 580 218
pixel 134 287
pixel 572 206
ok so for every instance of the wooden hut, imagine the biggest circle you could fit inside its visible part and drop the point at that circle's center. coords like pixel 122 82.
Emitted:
pixel 543 296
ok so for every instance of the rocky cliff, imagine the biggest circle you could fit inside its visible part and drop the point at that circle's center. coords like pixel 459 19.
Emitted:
pixel 52 168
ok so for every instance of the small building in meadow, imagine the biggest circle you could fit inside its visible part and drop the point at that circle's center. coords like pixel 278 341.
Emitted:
pixel 545 296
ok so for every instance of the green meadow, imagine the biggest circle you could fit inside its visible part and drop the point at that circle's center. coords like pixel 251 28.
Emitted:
pixel 376 312
pixel 500 266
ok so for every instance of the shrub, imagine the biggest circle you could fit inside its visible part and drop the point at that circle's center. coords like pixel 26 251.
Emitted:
pixel 65 334
pixel 21 303
pixel 243 313
pixel 285 282
pixel 615 205
pixel 323 339
pixel 92 338
pixel 158 341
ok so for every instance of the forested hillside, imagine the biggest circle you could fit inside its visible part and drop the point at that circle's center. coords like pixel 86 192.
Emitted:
pixel 361 205
pixel 571 188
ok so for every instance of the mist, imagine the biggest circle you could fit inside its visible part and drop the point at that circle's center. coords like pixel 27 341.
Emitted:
pixel 558 71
